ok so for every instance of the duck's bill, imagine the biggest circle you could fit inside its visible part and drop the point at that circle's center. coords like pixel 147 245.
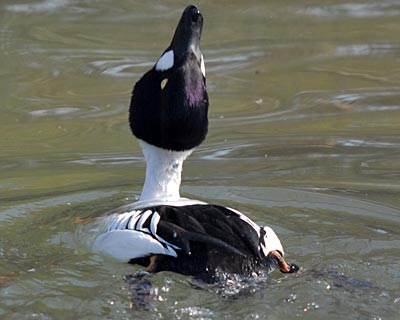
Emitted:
pixel 283 266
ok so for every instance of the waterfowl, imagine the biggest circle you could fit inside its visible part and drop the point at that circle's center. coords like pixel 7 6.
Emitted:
pixel 163 231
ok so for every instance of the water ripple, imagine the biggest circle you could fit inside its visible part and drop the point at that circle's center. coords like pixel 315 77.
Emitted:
pixel 356 10
pixel 43 6
pixel 366 49
pixel 366 143
pixel 301 199
pixel 107 160
pixel 132 63
pixel 81 112
pixel 22 210
pixel 361 99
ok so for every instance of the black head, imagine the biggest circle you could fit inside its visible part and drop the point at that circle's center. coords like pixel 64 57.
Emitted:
pixel 169 103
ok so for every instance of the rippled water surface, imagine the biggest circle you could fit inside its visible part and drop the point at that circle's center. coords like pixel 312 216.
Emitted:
pixel 304 136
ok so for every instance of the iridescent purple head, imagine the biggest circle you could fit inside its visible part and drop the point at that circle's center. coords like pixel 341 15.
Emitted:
pixel 169 104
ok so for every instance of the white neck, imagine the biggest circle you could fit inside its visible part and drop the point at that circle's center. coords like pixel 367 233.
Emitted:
pixel 163 172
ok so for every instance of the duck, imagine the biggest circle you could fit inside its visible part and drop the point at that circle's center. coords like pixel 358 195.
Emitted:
pixel 163 231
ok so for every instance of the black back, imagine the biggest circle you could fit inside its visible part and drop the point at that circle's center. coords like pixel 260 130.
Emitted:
pixel 211 238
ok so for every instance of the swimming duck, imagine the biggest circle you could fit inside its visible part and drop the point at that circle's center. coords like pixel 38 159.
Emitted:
pixel 163 231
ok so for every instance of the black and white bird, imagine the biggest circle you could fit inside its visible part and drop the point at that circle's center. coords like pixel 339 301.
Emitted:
pixel 162 231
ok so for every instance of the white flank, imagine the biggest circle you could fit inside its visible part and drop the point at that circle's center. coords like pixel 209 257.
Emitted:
pixel 166 61
pixel 125 245
pixel 271 241
pixel 125 238
pixel 203 66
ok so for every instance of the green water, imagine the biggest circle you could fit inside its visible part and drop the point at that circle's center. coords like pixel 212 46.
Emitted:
pixel 304 136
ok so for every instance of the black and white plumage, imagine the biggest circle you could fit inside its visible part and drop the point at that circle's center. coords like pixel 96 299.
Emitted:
pixel 195 239
pixel 162 231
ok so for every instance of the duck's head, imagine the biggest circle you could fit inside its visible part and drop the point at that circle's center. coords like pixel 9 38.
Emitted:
pixel 169 103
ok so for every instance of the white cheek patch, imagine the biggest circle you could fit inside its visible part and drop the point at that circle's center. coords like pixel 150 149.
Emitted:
pixel 166 61
pixel 202 66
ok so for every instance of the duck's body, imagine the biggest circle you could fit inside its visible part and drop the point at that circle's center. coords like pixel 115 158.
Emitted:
pixel 190 237
pixel 164 232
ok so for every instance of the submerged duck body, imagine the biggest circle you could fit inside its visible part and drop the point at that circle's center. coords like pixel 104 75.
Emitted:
pixel 162 231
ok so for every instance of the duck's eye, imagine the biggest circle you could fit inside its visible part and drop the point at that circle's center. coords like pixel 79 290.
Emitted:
pixel 164 83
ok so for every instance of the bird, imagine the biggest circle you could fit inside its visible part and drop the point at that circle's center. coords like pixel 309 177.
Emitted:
pixel 163 231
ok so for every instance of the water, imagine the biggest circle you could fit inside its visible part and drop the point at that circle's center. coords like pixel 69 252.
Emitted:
pixel 304 137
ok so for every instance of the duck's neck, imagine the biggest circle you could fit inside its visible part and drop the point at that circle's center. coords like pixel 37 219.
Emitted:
pixel 163 172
